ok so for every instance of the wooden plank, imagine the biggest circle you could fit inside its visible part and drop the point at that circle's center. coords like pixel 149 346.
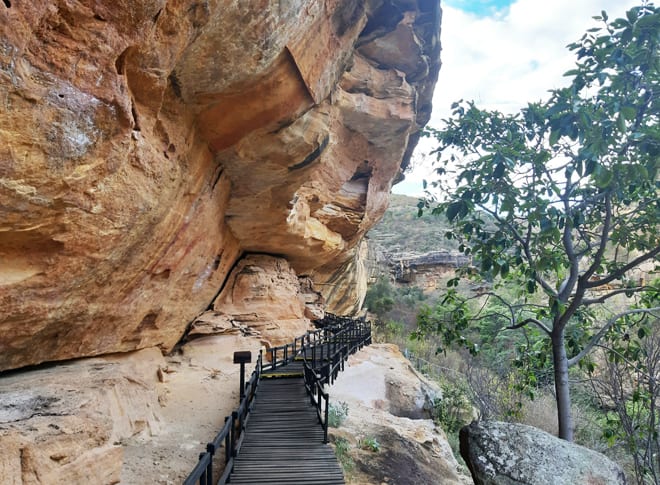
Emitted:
pixel 283 442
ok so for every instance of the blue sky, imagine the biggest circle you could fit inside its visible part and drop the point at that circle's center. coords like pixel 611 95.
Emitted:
pixel 481 8
pixel 503 54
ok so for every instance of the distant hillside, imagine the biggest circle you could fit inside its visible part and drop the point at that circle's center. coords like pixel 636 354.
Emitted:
pixel 402 232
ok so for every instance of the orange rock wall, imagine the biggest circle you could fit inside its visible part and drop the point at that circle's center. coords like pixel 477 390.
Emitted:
pixel 144 146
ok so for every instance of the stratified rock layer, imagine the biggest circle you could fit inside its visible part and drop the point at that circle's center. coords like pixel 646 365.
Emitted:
pixel 145 147
pixel 515 454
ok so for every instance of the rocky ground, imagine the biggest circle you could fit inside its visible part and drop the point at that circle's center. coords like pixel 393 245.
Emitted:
pixel 119 418
pixel 388 401
pixel 124 417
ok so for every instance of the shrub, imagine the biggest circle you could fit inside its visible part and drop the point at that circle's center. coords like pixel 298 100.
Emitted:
pixel 337 413
pixel 342 448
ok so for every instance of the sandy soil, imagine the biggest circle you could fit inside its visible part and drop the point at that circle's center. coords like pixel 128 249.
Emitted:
pixel 200 387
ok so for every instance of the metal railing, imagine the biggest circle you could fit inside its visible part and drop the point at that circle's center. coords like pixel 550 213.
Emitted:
pixel 321 367
pixel 230 436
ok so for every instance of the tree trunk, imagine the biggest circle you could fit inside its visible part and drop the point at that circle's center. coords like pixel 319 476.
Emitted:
pixel 563 397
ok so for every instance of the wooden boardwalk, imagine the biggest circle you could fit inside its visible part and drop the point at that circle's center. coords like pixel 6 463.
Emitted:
pixel 278 433
pixel 283 442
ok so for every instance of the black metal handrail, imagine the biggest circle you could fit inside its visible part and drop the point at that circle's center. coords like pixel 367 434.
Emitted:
pixel 230 436
pixel 321 371
pixel 328 348
pixel 284 354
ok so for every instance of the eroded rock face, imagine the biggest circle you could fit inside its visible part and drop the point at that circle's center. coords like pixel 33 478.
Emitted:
pixel 145 147
pixel 515 454
pixel 263 297
pixel 65 424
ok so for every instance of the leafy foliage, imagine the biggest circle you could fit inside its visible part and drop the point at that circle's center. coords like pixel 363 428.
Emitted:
pixel 561 199
pixel 337 414
pixel 453 410
pixel 342 451
pixel 370 444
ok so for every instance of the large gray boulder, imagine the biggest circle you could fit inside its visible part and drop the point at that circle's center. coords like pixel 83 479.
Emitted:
pixel 515 454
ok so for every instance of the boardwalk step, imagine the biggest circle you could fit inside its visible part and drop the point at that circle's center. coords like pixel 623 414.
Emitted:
pixel 283 442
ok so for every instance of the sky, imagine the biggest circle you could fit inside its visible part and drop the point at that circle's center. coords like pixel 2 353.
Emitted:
pixel 503 54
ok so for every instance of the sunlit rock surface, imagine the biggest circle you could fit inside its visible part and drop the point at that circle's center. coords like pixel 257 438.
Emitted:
pixel 263 297
pixel 145 146
pixel 500 453
pixel 389 402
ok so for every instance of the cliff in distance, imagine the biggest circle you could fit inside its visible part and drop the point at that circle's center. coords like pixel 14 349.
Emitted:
pixel 146 148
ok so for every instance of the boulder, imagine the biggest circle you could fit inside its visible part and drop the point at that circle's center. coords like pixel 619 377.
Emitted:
pixel 387 401
pixel 515 454
pixel 264 294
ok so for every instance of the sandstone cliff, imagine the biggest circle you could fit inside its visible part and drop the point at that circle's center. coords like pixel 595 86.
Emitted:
pixel 146 146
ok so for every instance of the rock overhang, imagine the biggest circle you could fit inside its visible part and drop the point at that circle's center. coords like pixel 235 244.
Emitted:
pixel 148 147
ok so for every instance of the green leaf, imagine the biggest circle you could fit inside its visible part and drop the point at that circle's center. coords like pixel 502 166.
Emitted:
pixel 628 112
pixel 454 209
pixel 603 178
pixel 554 137
pixel 499 171
pixel 531 286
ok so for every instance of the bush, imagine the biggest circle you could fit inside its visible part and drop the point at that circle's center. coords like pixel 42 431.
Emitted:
pixel 337 413
pixel 454 410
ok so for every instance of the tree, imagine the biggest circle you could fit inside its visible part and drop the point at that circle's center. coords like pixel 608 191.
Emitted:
pixel 562 197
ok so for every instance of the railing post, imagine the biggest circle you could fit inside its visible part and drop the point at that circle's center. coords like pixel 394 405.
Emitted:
pixel 234 416
pixel 325 421
pixel 210 447
pixel 202 478
pixel 227 444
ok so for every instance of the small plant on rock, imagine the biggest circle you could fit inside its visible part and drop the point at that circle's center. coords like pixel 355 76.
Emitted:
pixel 370 444
pixel 342 448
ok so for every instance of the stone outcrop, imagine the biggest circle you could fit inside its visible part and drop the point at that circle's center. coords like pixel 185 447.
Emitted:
pixel 124 418
pixel 515 454
pixel 262 297
pixel 64 424
pixel 388 400
pixel 145 148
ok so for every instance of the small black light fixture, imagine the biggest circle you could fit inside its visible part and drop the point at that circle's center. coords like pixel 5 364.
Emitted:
pixel 242 357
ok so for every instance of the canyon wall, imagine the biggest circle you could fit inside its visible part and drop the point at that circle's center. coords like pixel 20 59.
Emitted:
pixel 145 147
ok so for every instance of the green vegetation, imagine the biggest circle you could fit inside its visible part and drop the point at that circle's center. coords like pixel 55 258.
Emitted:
pixel 559 208
pixel 342 451
pixel 401 231
pixel 369 444
pixel 560 202
pixel 337 414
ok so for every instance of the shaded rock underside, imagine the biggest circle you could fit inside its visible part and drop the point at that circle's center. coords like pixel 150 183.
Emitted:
pixel 146 146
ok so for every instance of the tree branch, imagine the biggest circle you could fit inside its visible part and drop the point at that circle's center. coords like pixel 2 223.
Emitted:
pixel 527 321
pixel 603 298
pixel 604 237
pixel 623 269
pixel 567 286
pixel 525 246
pixel 596 338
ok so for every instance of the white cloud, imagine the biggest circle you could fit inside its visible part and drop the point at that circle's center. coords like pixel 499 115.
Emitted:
pixel 503 62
